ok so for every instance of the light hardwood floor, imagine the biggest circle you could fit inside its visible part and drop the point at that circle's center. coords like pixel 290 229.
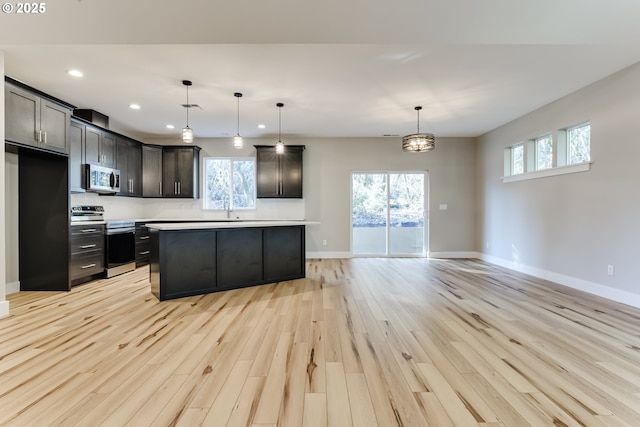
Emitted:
pixel 361 342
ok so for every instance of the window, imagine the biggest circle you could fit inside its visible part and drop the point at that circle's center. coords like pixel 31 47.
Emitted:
pixel 579 144
pixel 544 152
pixel 229 183
pixel 517 159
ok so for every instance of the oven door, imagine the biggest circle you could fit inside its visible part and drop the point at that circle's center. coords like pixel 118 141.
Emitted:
pixel 120 246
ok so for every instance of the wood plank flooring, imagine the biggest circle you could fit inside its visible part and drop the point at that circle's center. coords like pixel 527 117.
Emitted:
pixel 358 343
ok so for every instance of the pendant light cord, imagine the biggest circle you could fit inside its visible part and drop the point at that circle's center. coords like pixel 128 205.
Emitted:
pixel 188 106
pixel 418 121
pixel 238 109
pixel 279 123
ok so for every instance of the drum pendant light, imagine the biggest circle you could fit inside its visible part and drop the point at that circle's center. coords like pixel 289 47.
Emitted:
pixel 418 142
pixel 187 132
pixel 279 144
pixel 237 140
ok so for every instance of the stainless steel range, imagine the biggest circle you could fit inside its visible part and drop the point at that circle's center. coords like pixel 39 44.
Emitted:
pixel 120 247
pixel 119 240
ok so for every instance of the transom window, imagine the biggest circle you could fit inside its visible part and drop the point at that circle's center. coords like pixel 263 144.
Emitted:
pixel 229 183
pixel 579 144
pixel 544 152
pixel 517 159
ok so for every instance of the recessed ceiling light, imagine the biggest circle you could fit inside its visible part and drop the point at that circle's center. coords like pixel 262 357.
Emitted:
pixel 261 126
pixel 75 73
pixel 134 106
pixel 170 126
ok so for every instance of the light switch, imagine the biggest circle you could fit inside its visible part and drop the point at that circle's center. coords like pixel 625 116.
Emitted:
pixel 443 206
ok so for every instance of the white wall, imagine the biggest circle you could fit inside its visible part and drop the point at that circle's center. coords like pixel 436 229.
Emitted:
pixel 568 228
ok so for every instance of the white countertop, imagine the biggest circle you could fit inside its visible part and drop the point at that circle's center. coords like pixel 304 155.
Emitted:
pixel 226 224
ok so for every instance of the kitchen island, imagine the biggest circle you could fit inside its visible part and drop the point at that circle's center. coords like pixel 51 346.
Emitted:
pixel 196 258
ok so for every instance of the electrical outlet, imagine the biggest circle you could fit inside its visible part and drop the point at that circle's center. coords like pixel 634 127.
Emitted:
pixel 324 242
pixel 610 269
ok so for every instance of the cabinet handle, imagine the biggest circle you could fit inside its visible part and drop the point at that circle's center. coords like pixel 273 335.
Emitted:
pixel 144 237
pixel 144 253
pixel 89 230
pixel 179 189
pixel 87 246
pixel 160 188
pixel 45 137
pixel 88 266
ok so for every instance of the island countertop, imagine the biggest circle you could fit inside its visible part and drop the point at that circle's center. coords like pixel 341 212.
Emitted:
pixel 168 226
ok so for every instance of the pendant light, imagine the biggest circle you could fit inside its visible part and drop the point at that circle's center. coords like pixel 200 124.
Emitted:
pixel 187 132
pixel 237 140
pixel 279 144
pixel 418 142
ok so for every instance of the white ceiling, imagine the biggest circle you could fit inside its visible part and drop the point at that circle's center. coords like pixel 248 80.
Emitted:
pixel 342 68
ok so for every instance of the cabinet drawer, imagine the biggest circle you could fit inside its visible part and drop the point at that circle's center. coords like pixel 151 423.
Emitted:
pixel 142 253
pixel 86 230
pixel 85 244
pixel 86 265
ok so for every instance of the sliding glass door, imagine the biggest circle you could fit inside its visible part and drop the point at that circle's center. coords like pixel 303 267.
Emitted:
pixel 388 213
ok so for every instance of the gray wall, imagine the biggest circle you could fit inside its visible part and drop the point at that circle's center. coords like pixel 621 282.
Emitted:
pixel 570 227
pixel 328 163
pixel 4 305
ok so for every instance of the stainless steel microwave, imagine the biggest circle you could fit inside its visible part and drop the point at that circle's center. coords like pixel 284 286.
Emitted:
pixel 102 180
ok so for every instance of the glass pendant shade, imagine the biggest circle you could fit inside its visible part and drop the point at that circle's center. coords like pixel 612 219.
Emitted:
pixel 237 142
pixel 279 147
pixel 187 135
pixel 418 142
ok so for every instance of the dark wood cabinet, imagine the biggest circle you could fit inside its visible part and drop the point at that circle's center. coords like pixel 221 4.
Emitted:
pixel 142 245
pixel 151 171
pixel 43 221
pixel 191 262
pixel 129 162
pixel 100 147
pixel 35 121
pixel 76 156
pixel 87 253
pixel 180 171
pixel 279 175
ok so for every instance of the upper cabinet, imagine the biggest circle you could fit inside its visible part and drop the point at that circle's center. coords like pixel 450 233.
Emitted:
pixel 151 171
pixel 279 175
pixel 180 171
pixel 129 162
pixel 76 157
pixel 33 120
pixel 100 147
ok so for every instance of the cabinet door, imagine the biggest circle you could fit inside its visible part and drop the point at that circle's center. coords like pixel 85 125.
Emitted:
pixel 267 166
pixel 185 170
pixel 151 171
pixel 54 125
pixel 170 172
pixel 108 149
pixel 122 156
pixel 134 168
pixel 76 154
pixel 22 111
pixel 291 173
pixel 92 138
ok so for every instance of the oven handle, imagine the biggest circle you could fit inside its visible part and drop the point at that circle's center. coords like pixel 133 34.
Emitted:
pixel 111 231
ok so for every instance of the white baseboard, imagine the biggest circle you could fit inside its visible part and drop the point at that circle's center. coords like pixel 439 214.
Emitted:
pixel 603 291
pixel 328 255
pixel 461 254
pixel 12 288
pixel 4 308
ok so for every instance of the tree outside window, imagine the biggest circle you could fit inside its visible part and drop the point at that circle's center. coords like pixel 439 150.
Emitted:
pixel 229 183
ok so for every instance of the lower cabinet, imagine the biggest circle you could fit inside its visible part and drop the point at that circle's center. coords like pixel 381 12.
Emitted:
pixel 200 261
pixel 87 253
pixel 142 245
